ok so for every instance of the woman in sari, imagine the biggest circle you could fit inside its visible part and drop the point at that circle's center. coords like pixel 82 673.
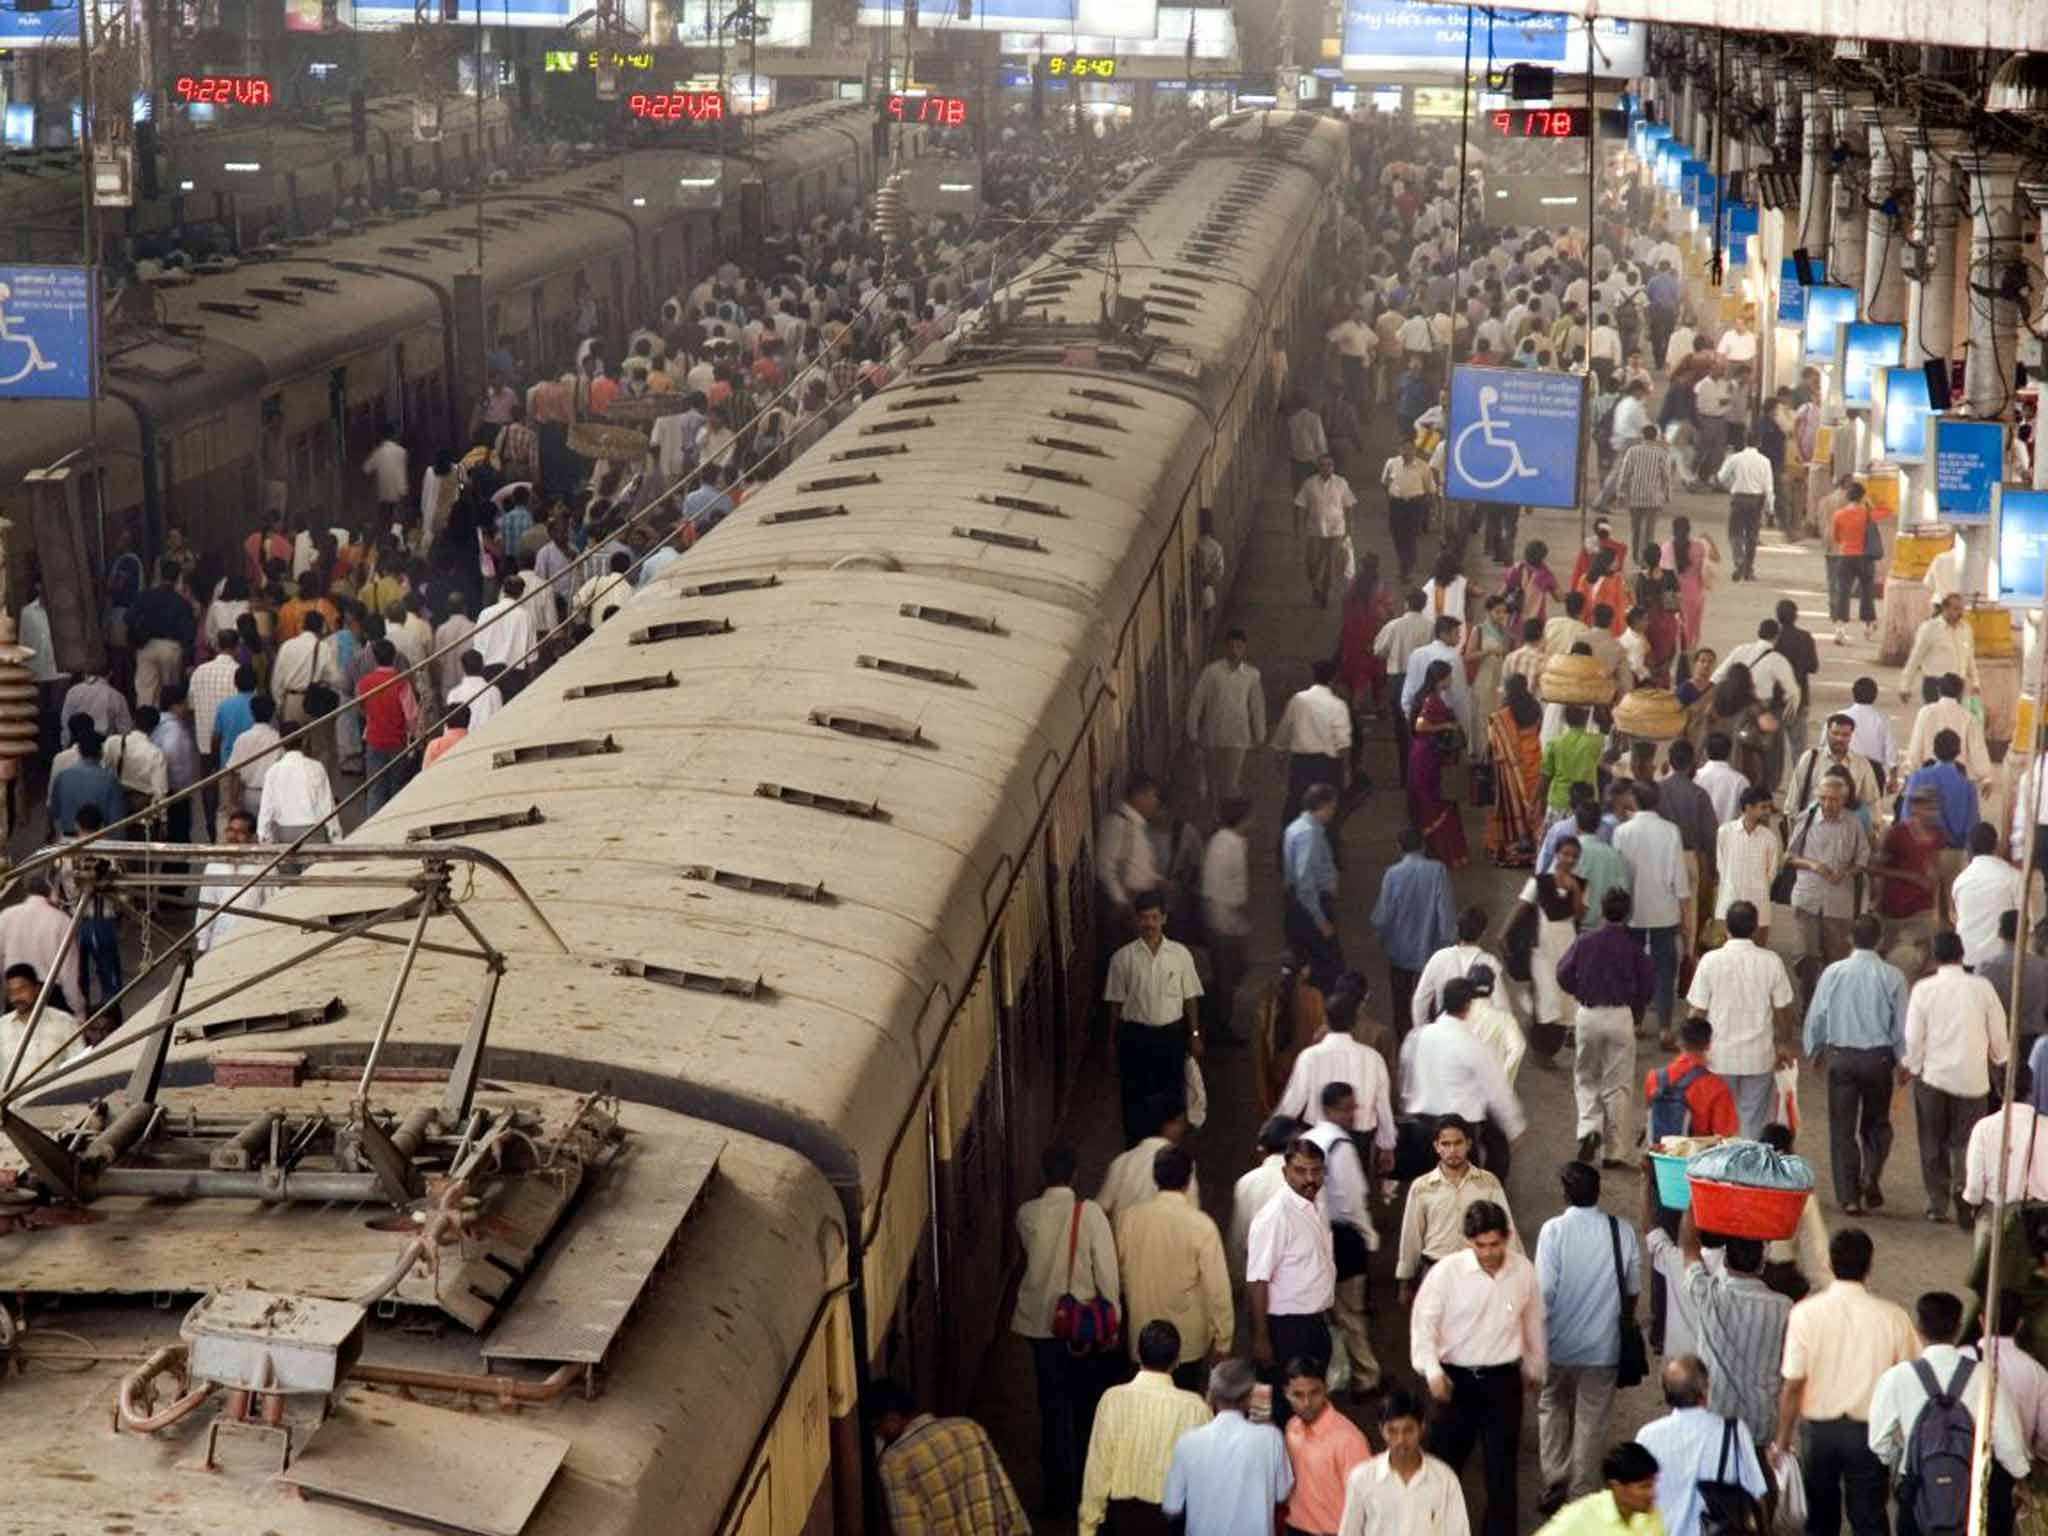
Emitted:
pixel 1687 556
pixel 1557 900
pixel 1734 708
pixel 1602 584
pixel 1515 740
pixel 1530 585
pixel 1486 649
pixel 1434 743
pixel 1360 671
pixel 1656 593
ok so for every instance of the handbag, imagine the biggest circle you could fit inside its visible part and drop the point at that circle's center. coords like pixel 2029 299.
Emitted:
pixel 1727 1508
pixel 1633 1365
pixel 1085 1327
pixel 1482 788
pixel 1782 882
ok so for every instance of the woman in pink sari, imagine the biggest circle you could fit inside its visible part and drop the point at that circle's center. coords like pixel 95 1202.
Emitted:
pixel 1687 556
pixel 1360 672
pixel 1434 745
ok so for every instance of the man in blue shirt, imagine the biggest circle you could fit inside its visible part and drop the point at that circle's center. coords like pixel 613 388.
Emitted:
pixel 705 507
pixel 1856 1026
pixel 1693 1445
pixel 1958 796
pixel 1582 1311
pixel 1230 1476
pixel 1414 919
pixel 231 716
pixel 1310 871
pixel 85 782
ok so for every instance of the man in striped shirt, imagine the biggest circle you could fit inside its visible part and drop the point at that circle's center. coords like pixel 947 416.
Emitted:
pixel 1137 1426
pixel 1643 482
pixel 1738 1328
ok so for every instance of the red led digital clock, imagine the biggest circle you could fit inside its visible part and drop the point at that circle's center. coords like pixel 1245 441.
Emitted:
pixel 1543 123
pixel 677 106
pixel 932 111
pixel 224 90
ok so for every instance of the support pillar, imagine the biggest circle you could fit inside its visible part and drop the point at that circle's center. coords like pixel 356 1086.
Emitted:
pixel 2036 194
pixel 1817 177
pixel 1850 231
pixel 1993 184
pixel 1884 259
pixel 1931 286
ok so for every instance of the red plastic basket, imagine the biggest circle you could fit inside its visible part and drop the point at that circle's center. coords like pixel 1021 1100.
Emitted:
pixel 1739 1210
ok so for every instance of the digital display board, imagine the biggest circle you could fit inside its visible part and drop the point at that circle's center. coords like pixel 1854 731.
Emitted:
pixel 1081 66
pixel 1867 347
pixel 1543 123
pixel 1405 35
pixel 223 90
pixel 676 106
pixel 1905 415
pixel 1791 296
pixel 1969 463
pixel 932 111
pixel 2022 547
pixel 1828 308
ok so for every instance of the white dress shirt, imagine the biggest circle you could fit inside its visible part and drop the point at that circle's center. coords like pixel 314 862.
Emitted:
pixel 293 671
pixel 504 634
pixel 1447 964
pixel 295 794
pixel 1724 786
pixel 55 1025
pixel 1123 856
pixel 2026 1173
pixel 1345 1181
pixel 220 881
pixel 1946 714
pixel 1154 986
pixel 1226 885
pixel 1129 1180
pixel 1747 860
pixel 1228 708
pixel 1985 891
pixel 1398 638
pixel 254 756
pixel 1450 1072
pixel 1940 648
pixel 1900 1395
pixel 1045 1226
pixel 1464 1316
pixel 138 763
pixel 1289 1248
pixel 1315 723
pixel 1328 501
pixel 1737 986
pixel 481 697
pixel 1953 1056
pixel 32 933
pixel 1340 1058
pixel 2023 1381
pixel 1654 852
pixel 1768 670
pixel 1377 1502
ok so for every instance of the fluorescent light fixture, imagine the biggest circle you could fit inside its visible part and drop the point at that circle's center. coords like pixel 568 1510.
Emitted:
pixel 696 181
pixel 184 186
pixel 639 202
pixel 242 165
pixel 956 186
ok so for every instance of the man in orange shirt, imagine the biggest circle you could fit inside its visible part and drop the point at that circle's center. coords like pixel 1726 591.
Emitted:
pixel 1322 1447
pixel 1709 1106
pixel 291 616
pixel 441 745
pixel 1853 544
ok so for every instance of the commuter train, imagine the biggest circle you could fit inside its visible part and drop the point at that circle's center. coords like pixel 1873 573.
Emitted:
pixel 812 816
pixel 280 372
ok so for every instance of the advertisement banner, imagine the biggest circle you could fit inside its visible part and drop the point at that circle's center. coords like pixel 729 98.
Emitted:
pixel 1905 414
pixel 1867 347
pixel 1792 297
pixel 1969 463
pixel 1828 308
pixel 1514 436
pixel 2022 547
pixel 1404 35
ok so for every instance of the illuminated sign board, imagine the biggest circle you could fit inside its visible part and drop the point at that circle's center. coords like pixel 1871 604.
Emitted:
pixel 568 61
pixel 1905 414
pixel 223 90
pixel 1081 66
pixel 1404 35
pixel 676 106
pixel 1542 123
pixel 1866 348
pixel 932 111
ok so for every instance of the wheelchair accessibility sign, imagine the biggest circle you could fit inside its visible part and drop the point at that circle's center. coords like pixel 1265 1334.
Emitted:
pixel 1514 436
pixel 49 333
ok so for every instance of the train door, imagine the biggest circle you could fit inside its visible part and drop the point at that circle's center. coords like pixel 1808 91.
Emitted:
pixel 970 1135
pixel 619 321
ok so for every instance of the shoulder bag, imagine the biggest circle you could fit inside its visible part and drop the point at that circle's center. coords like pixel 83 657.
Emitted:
pixel 1782 882
pixel 1726 1507
pixel 1633 1365
pixel 1085 1327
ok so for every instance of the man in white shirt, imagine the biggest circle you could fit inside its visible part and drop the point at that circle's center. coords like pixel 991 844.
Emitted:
pixel 1266 1179
pixel 1409 483
pixel 1660 885
pixel 1903 1393
pixel 1693 1444
pixel 1873 737
pixel 2026 1169
pixel 1631 415
pixel 1347 1187
pixel 1227 717
pixel 224 877
pixel 1314 735
pixel 1445 1070
pixel 1395 645
pixel 1747 856
pixel 23 984
pixel 1476 1337
pixel 1227 913
pixel 475 692
pixel 1947 713
pixel 1985 891
pixel 1291 1270
pixel 1402 1491
pixel 1942 645
pixel 1124 863
pixel 254 753
pixel 1131 1178
pixel 1442 647
pixel 32 933
pixel 1340 1058
pixel 297 798
pixel 505 636
pixel 1954 1025
pixel 1751 484
pixel 307 658
pixel 1745 994
pixel 1452 960
pixel 1355 345
pixel 1155 998
pixel 1723 782
pixel 1768 667
pixel 1326 500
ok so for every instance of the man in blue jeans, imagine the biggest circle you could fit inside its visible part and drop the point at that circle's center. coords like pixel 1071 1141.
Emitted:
pixel 1659 885
pixel 99 935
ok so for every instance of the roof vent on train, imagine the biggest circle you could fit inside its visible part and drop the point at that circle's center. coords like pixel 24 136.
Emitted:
pixel 729 584
pixel 874 723
pixel 679 629
pixel 1047 472
pixel 231 308
pixel 923 674
pixel 837 483
pixel 470 826
pixel 1018 504
pixel 551 751
pixel 1069 445
pixel 1027 543
pixel 838 805
pixel 801 515
pixel 311 284
pixel 874 451
pixel 952 618
pixel 276 295
pixel 755 885
pixel 605 690
pixel 690 979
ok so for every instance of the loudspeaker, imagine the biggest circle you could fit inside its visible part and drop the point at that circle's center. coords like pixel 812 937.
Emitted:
pixel 1802 263
pixel 1527 82
pixel 1936 370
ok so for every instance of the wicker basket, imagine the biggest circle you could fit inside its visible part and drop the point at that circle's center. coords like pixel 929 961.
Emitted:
pixel 1575 680
pixel 1651 714
pixel 596 441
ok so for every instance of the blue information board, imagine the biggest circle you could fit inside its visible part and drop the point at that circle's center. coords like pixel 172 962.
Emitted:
pixel 1739 222
pixel 1867 347
pixel 1514 436
pixel 1905 414
pixel 49 333
pixel 1792 297
pixel 2022 547
pixel 1407 30
pixel 1969 462
pixel 1827 307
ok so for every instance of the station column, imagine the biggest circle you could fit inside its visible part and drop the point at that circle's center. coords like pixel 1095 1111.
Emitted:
pixel 1850 230
pixel 1884 258
pixel 1817 175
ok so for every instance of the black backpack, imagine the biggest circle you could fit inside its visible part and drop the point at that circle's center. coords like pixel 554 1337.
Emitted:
pixel 1670 1115
pixel 1938 1453
pixel 1727 1508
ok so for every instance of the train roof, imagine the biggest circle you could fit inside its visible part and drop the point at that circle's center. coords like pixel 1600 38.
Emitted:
pixel 697 1370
